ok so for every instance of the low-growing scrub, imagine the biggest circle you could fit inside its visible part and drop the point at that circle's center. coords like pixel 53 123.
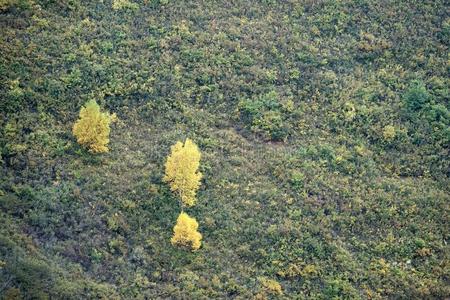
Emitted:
pixel 316 167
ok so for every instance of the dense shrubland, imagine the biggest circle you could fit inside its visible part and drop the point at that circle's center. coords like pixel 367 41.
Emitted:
pixel 324 129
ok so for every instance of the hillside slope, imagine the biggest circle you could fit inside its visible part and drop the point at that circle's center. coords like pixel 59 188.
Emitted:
pixel 324 128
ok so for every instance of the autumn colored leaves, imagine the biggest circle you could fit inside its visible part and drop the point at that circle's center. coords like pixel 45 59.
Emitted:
pixel 92 128
pixel 92 131
pixel 185 232
pixel 182 171
pixel 184 179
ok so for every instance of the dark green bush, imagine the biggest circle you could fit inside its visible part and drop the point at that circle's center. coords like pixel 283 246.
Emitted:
pixel 264 116
pixel 416 96
pixel 20 4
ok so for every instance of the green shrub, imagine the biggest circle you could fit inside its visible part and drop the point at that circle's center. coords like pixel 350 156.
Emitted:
pixel 416 96
pixel 8 4
pixel 438 117
pixel 265 116
pixel 438 113
pixel 340 289
pixel 297 179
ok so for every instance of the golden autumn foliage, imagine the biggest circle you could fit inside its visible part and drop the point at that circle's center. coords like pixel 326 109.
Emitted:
pixel 182 171
pixel 92 128
pixel 271 286
pixel 185 232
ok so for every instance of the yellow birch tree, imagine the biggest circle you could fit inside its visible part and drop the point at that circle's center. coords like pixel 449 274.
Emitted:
pixel 92 128
pixel 182 171
pixel 185 232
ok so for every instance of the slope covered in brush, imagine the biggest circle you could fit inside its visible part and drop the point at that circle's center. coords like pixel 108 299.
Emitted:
pixel 323 128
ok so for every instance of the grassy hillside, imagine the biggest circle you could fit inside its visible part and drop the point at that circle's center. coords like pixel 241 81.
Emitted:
pixel 324 128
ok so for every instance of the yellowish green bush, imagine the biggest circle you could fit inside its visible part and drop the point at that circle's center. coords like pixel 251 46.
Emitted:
pixel 93 127
pixel 271 286
pixel 182 171
pixel 124 4
pixel 349 111
pixel 185 232
pixel 389 133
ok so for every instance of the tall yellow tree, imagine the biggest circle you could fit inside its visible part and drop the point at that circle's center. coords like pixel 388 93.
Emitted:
pixel 182 171
pixel 93 127
pixel 185 232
